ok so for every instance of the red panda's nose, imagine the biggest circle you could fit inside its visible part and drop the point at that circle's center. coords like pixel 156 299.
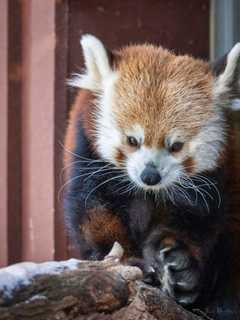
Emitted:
pixel 150 175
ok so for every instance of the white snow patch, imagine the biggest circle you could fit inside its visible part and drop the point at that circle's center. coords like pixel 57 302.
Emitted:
pixel 36 297
pixel 21 274
pixel 235 105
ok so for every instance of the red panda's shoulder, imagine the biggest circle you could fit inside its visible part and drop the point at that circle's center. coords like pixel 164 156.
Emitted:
pixel 81 110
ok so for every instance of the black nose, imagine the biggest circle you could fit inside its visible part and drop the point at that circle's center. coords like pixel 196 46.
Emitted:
pixel 150 175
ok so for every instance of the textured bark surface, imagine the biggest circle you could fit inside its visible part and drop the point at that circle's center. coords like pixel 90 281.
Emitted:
pixel 104 290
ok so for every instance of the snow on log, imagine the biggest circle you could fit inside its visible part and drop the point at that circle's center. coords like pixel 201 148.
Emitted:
pixel 14 277
pixel 77 290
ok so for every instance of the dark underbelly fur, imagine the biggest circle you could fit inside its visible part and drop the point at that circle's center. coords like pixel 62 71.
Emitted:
pixel 187 236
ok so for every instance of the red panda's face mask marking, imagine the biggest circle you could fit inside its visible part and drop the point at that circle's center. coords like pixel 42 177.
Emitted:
pixel 158 114
pixel 153 167
pixel 174 161
pixel 157 160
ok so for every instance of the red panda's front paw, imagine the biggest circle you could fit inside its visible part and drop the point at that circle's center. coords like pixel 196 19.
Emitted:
pixel 176 270
pixel 178 274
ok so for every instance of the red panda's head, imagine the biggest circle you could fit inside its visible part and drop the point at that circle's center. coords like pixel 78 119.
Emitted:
pixel 158 115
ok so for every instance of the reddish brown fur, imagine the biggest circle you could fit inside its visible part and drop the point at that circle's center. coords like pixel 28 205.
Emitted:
pixel 120 156
pixel 189 165
pixel 156 88
pixel 83 107
pixel 103 227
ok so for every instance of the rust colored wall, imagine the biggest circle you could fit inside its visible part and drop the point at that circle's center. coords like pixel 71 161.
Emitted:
pixel 179 25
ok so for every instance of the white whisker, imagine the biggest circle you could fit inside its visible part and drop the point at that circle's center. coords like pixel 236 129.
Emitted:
pixel 68 182
pixel 101 184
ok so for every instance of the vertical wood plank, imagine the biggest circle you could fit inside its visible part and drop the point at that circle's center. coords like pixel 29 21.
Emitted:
pixel 61 105
pixel 3 132
pixel 14 171
pixel 38 129
pixel 182 26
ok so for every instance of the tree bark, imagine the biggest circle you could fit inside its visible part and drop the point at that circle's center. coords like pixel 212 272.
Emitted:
pixel 102 290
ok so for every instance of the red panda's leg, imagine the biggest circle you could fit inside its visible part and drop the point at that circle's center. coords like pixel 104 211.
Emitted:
pixel 101 228
pixel 175 263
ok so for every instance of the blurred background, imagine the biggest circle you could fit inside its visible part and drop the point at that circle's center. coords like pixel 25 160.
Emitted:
pixel 39 49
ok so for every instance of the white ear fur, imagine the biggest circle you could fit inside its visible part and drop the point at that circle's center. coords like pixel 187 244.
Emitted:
pixel 96 57
pixel 225 81
pixel 97 65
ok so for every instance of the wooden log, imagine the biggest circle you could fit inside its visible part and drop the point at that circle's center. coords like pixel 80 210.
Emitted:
pixel 83 290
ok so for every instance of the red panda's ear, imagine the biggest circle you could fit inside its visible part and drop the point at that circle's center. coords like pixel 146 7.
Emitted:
pixel 98 64
pixel 227 73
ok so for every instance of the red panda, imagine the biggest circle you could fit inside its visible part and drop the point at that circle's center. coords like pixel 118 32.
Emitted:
pixel 150 160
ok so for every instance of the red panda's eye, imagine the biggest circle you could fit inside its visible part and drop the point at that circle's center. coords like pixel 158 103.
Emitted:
pixel 176 146
pixel 132 142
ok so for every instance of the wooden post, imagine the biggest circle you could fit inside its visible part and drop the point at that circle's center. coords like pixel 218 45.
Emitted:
pixel 61 111
pixel 3 133
pixel 38 130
